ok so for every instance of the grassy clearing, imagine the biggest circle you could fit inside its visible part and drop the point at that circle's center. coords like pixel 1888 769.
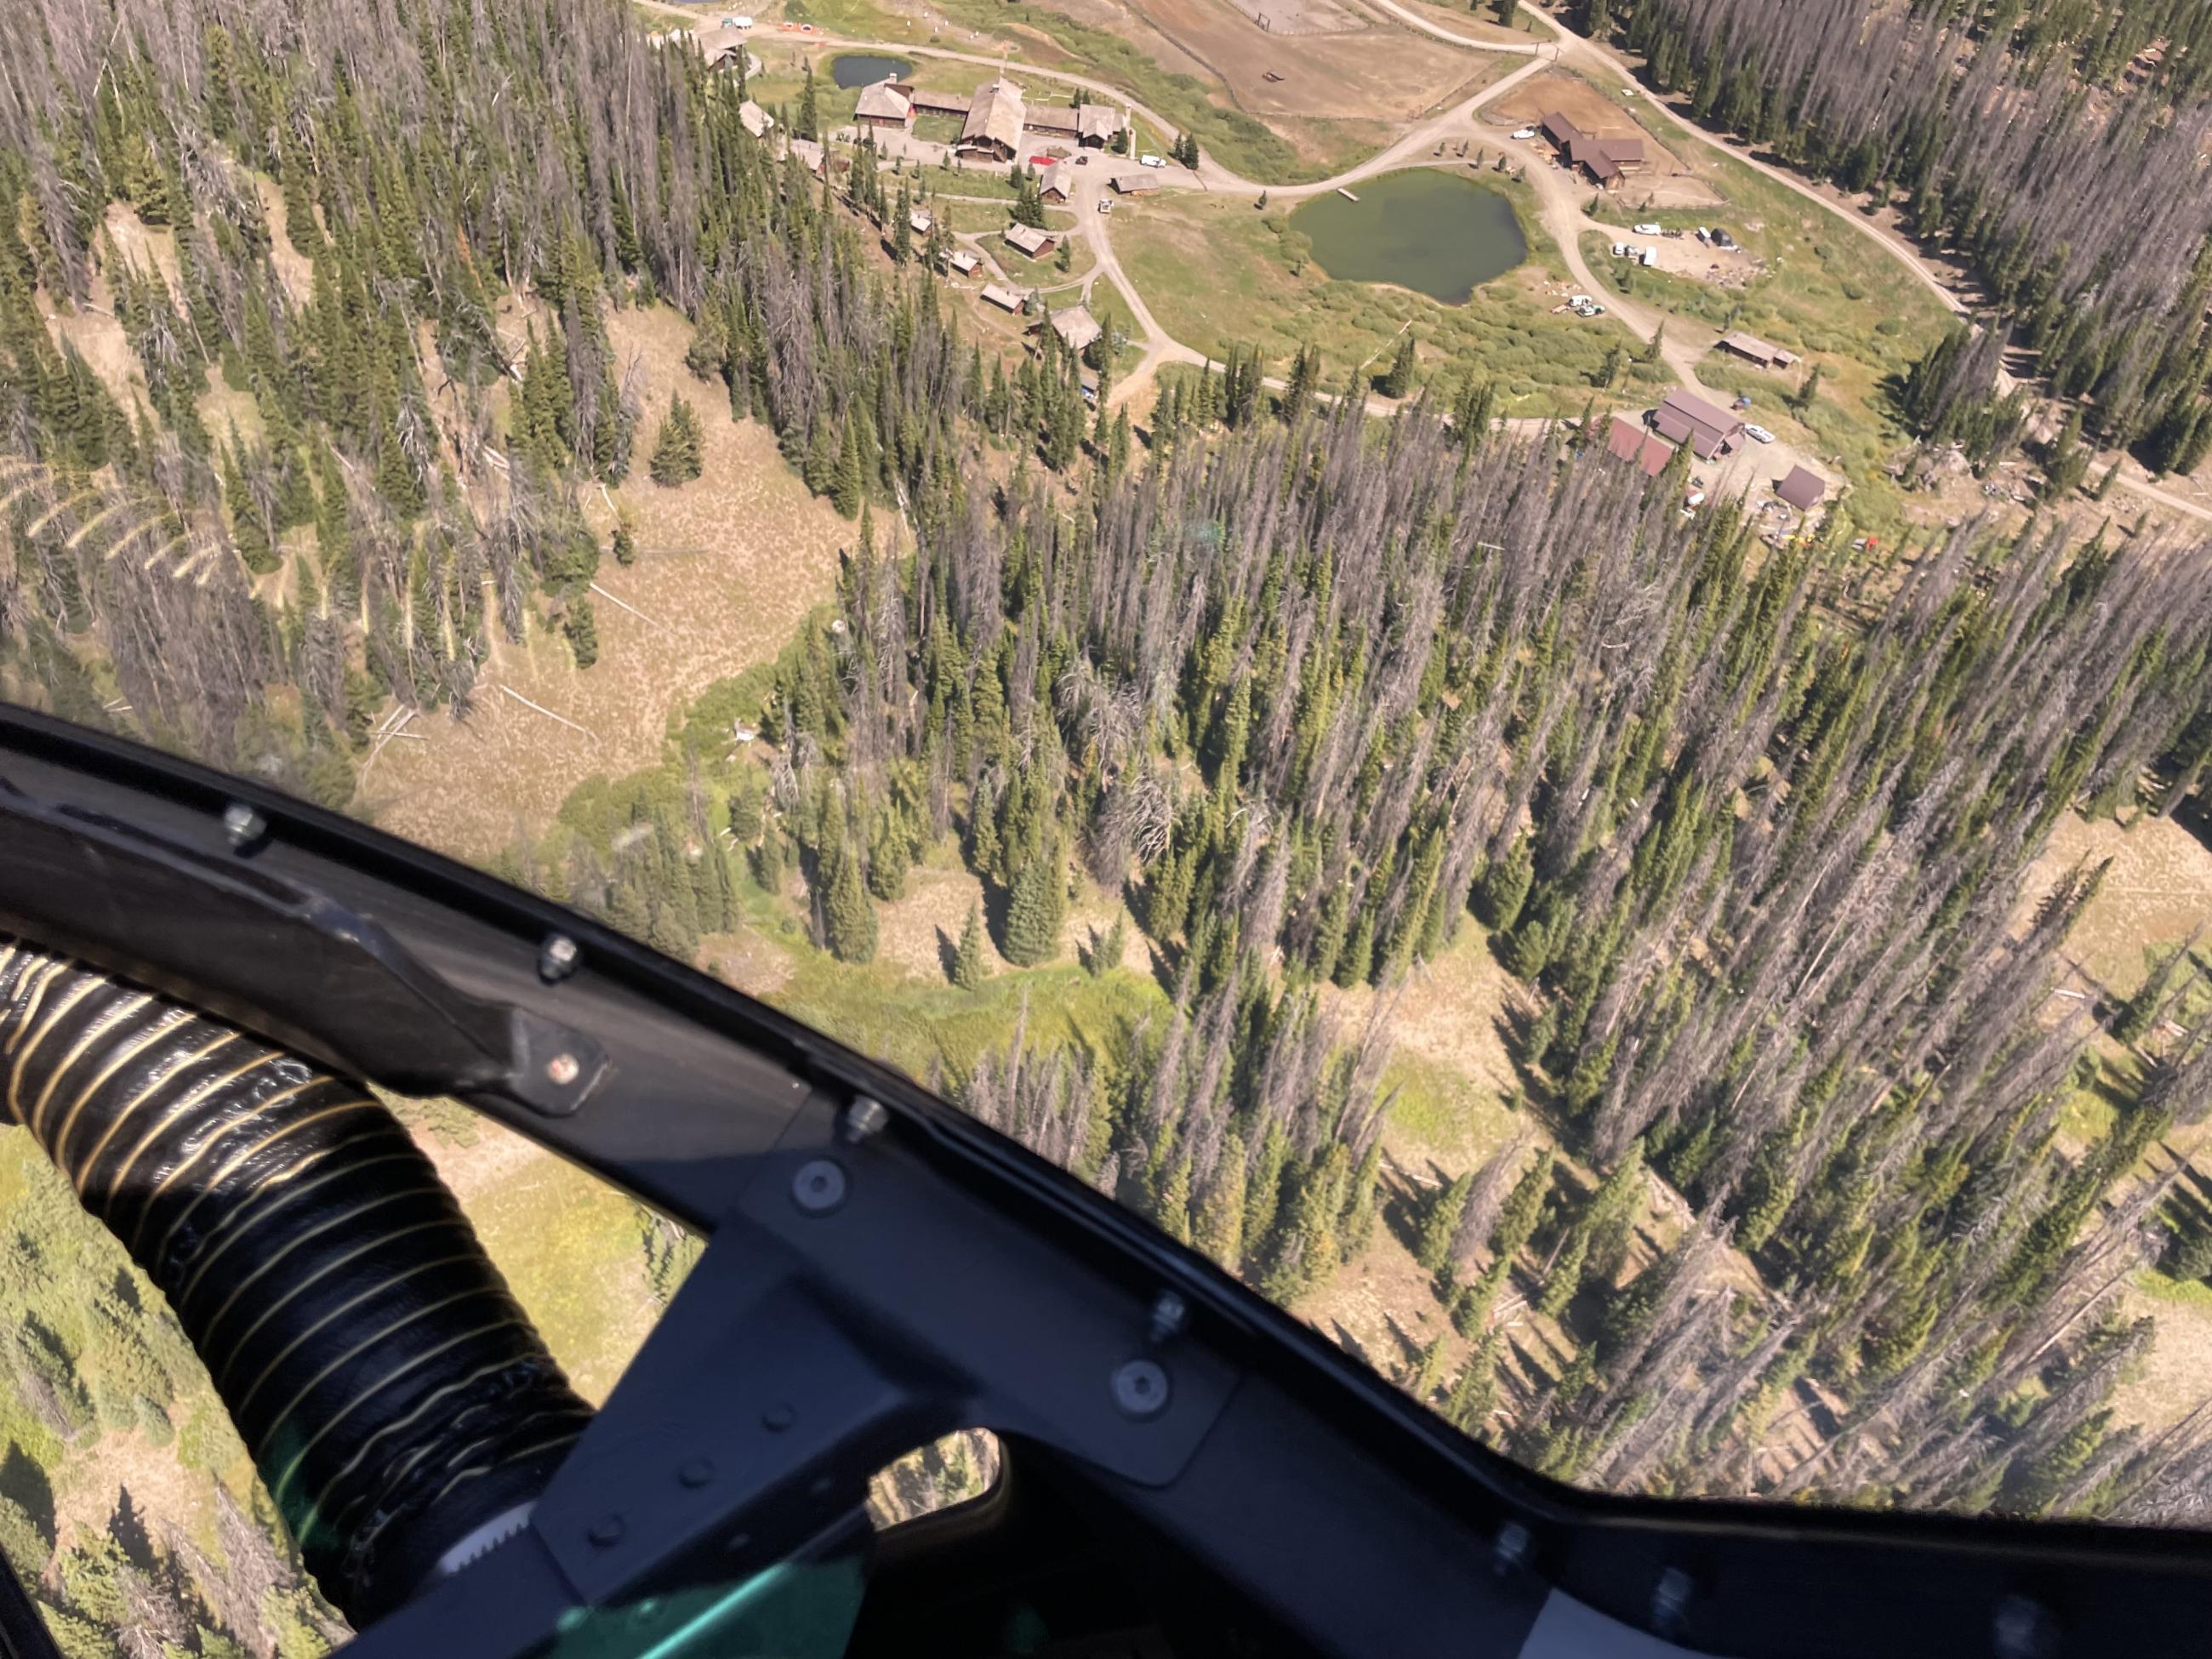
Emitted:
pixel 861 19
pixel 1217 272
pixel 2183 1292
pixel 571 1248
pixel 1045 272
pixel 1111 309
pixel 980 217
pixel 955 179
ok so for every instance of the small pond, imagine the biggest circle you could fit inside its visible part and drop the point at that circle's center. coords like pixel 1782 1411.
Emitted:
pixel 1437 232
pixel 860 69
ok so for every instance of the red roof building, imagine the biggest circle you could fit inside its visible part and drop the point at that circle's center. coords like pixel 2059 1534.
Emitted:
pixel 1628 441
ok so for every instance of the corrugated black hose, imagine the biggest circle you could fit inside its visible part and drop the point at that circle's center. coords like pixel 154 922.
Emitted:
pixel 395 1397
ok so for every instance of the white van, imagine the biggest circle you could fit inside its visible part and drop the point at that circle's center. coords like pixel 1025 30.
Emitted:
pixel 1650 256
pixel 1651 230
pixel 1524 134
pixel 1150 161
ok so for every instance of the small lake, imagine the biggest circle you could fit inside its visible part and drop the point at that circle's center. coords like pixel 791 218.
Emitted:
pixel 1437 232
pixel 859 69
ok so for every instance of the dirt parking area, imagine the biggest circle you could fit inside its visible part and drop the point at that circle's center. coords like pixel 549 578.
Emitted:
pixel 1701 262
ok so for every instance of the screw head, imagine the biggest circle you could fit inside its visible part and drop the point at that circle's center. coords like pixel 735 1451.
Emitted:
pixel 1141 1388
pixel 695 1472
pixel 1670 1602
pixel 558 957
pixel 863 1119
pixel 606 1531
pixel 1513 1549
pixel 242 826
pixel 819 1185
pixel 1170 1312
pixel 779 1417
pixel 2023 1629
pixel 562 1070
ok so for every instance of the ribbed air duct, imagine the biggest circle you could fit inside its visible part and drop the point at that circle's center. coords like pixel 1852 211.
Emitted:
pixel 395 1397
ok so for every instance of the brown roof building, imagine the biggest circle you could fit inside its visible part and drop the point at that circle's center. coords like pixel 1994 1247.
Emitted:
pixel 1628 441
pixel 1096 124
pixel 1061 120
pixel 992 131
pixel 1003 297
pixel 1057 182
pixel 1605 159
pixel 754 119
pixel 720 47
pixel 1682 417
pixel 1029 240
pixel 1754 350
pixel 926 102
pixel 882 105
pixel 1135 184
pixel 1076 327
pixel 1803 489
pixel 962 261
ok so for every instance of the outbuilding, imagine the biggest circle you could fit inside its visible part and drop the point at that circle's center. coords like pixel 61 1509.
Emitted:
pixel 1803 489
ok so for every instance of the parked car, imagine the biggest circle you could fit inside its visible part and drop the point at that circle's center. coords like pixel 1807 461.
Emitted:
pixel 1651 230
pixel 1621 250
pixel 1524 134
pixel 1083 161
pixel 1150 161
pixel 1758 435
pixel 1105 204
pixel 1578 301
pixel 1650 256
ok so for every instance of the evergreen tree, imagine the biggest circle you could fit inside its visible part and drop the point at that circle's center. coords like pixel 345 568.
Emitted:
pixel 1398 380
pixel 2141 1012
pixel 675 450
pixel 847 489
pixel 1034 911
pixel 849 919
pixel 807 122
pixel 1439 1226
pixel 969 965
pixel 1475 1391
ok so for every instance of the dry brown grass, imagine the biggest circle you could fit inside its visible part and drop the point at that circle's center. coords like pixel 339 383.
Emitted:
pixel 2158 892
pixel 728 564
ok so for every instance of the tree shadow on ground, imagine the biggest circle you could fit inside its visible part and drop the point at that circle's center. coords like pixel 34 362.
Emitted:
pixel 948 953
pixel 1403 1203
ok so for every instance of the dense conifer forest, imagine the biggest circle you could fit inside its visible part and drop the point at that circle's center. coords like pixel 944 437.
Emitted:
pixel 1751 826
pixel 2058 147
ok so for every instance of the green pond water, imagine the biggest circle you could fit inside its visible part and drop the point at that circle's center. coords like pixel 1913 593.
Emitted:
pixel 859 69
pixel 1436 233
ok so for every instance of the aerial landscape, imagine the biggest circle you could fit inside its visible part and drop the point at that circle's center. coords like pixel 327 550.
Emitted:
pixel 1541 674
